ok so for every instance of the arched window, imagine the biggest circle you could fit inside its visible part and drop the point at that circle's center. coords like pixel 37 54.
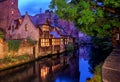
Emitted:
pixel 26 27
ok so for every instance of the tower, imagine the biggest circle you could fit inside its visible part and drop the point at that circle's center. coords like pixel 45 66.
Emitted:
pixel 8 11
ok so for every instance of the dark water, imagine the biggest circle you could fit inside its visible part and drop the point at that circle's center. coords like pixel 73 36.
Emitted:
pixel 66 67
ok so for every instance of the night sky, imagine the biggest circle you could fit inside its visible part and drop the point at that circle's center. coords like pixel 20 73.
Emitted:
pixel 33 6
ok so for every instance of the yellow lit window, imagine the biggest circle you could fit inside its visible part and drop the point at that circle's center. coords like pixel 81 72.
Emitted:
pixel 26 27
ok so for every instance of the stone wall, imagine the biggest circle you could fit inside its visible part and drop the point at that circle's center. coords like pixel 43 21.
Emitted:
pixel 24 48
pixel 3 49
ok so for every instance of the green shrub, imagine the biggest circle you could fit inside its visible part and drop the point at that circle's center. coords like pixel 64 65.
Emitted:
pixel 13 45
pixel 32 42
pixel 70 47
pixel 23 57
pixel 97 75
pixel 10 59
pixel 1 35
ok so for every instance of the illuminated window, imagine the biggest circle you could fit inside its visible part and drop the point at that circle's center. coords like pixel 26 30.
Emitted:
pixel 55 41
pixel 20 20
pixel 45 42
pixel 26 27
pixel 12 12
pixel 12 2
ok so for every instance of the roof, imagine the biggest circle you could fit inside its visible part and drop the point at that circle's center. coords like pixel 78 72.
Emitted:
pixel 55 34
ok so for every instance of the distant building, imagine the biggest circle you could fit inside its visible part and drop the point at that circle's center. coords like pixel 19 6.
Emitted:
pixel 8 11
pixel 23 28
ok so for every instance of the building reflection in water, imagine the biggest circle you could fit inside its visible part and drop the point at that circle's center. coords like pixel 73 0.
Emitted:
pixel 44 72
pixel 66 67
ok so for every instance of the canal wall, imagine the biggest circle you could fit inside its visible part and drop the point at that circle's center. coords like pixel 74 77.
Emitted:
pixel 25 48
pixel 111 67
pixel 3 50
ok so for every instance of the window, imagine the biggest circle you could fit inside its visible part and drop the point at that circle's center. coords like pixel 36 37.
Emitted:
pixel 46 34
pixel 12 28
pixel 12 2
pixel 45 42
pixel 55 41
pixel 26 27
pixel 12 12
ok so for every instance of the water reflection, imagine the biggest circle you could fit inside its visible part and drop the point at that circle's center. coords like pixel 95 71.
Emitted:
pixel 66 67
pixel 84 63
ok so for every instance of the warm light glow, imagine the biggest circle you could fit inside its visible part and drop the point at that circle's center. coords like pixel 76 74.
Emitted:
pixel 12 2
pixel 55 41
pixel 12 12
pixel 45 42
pixel 44 72
pixel 45 28
pixel 26 27
pixel 20 20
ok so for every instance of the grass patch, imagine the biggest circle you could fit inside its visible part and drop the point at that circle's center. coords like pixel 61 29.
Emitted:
pixel 10 59
pixel 23 57
pixel 97 75
pixel 13 45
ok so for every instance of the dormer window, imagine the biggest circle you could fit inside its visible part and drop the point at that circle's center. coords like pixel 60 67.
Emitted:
pixel 26 27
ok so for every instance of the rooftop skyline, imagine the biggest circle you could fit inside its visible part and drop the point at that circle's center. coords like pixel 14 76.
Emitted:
pixel 33 7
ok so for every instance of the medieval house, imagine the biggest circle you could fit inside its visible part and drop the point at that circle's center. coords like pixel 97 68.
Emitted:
pixel 23 28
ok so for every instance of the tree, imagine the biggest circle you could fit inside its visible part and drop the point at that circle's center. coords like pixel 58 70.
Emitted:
pixel 93 17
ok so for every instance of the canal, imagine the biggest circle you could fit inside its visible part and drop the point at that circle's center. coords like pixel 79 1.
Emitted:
pixel 66 67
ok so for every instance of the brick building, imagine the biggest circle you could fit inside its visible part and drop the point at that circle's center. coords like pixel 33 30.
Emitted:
pixel 8 12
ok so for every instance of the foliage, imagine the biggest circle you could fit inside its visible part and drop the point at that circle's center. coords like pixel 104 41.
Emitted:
pixel 97 75
pixel 32 42
pixel 70 47
pixel 13 45
pixel 23 57
pixel 100 50
pixel 10 59
pixel 93 17
pixel 1 35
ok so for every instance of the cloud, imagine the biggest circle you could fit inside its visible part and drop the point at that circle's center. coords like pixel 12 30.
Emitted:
pixel 33 6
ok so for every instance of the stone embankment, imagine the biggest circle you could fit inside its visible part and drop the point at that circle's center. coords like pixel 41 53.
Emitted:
pixel 111 67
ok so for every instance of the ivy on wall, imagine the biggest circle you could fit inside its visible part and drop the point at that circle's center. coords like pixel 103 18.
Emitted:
pixel 1 35
pixel 13 45
pixel 32 42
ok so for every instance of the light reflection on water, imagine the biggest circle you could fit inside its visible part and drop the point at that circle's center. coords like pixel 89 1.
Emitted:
pixel 67 67
pixel 84 63
pixel 84 70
